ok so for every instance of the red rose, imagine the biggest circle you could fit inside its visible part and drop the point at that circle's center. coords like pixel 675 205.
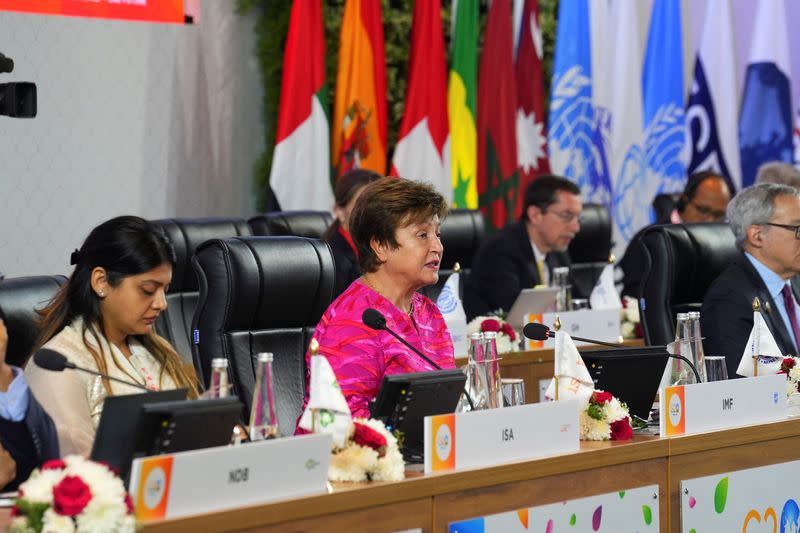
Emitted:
pixel 70 496
pixel 490 324
pixel 14 511
pixel 366 436
pixel 128 503
pixel 788 364
pixel 601 397
pixel 54 464
pixel 638 330
pixel 508 330
pixel 621 430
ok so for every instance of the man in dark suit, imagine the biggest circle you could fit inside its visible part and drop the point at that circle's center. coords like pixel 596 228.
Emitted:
pixel 523 254
pixel 765 220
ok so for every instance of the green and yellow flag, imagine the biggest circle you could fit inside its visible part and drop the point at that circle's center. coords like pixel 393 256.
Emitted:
pixel 461 103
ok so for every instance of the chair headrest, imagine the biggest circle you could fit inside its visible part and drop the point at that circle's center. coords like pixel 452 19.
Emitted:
pixel 310 224
pixel 463 232
pixel 663 205
pixel 255 283
pixel 19 299
pixel 187 234
pixel 593 241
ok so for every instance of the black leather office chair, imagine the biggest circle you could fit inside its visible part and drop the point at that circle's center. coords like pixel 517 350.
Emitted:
pixel 310 224
pixel 186 234
pixel 681 263
pixel 262 294
pixel 663 205
pixel 19 299
pixel 463 231
pixel 589 251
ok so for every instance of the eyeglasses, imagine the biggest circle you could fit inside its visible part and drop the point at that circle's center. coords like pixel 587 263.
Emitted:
pixel 709 212
pixel 795 229
pixel 565 216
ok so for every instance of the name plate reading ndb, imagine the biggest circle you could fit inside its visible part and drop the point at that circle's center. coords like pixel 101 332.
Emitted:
pixel 496 436
pixel 185 483
pixel 687 409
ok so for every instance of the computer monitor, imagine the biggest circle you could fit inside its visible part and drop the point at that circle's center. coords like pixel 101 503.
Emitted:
pixel 404 400
pixel 631 374
pixel 141 425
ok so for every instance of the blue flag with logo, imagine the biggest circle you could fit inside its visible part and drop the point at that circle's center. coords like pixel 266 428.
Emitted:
pixel 575 140
pixel 663 100
pixel 765 121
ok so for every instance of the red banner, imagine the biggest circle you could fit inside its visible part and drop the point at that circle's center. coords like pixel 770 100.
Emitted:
pixel 146 10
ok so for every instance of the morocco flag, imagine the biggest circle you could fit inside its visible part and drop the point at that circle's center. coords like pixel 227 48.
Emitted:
pixel 498 180
pixel 423 146
pixel 531 135
pixel 461 103
pixel 300 175
pixel 359 110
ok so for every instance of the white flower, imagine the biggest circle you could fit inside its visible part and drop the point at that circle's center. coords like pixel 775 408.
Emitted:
pixel 628 330
pixel 52 522
pixel 794 373
pixel 592 429
pixel 390 467
pixel 19 524
pixel 630 311
pixel 102 516
pixel 39 487
pixel 352 463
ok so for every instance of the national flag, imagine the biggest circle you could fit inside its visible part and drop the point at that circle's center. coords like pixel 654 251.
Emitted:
pixel 358 137
pixel 423 146
pixel 765 121
pixel 762 344
pixel 574 380
pixel 461 103
pixel 449 304
pixel 327 410
pixel 300 174
pixel 604 294
pixel 498 179
pixel 575 136
pixel 712 111
pixel 531 136
pixel 664 102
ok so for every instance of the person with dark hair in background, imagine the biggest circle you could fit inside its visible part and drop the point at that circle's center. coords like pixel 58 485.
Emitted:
pixel 103 318
pixel 395 226
pixel 704 199
pixel 27 435
pixel 523 254
pixel 345 255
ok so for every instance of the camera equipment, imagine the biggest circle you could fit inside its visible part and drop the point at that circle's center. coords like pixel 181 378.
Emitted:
pixel 18 98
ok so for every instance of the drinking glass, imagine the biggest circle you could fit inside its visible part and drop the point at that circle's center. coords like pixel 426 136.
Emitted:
pixel 513 391
pixel 716 369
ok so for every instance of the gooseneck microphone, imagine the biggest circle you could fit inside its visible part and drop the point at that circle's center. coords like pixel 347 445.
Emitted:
pixel 375 319
pixel 52 360
pixel 540 332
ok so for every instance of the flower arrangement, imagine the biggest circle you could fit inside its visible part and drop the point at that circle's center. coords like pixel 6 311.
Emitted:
pixel 73 495
pixel 605 418
pixel 506 336
pixel 791 368
pixel 369 453
pixel 630 321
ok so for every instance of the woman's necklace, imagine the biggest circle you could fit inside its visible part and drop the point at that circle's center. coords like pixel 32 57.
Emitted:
pixel 410 311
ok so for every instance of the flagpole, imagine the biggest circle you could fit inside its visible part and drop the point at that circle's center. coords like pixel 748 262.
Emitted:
pixel 755 346
pixel 313 349
pixel 556 327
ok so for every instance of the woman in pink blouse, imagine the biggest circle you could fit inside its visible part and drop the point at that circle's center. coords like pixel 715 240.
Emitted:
pixel 395 226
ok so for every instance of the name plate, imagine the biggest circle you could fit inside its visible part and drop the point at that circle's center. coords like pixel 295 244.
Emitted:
pixel 687 409
pixel 600 324
pixel 213 479
pixel 496 436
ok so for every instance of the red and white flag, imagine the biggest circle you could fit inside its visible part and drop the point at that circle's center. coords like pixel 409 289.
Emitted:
pixel 300 175
pixel 423 146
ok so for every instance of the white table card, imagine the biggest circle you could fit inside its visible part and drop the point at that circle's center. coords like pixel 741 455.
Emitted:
pixel 687 409
pixel 496 436
pixel 180 484
pixel 602 324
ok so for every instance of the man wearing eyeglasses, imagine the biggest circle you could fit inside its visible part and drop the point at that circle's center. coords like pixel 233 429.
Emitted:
pixel 523 254
pixel 765 220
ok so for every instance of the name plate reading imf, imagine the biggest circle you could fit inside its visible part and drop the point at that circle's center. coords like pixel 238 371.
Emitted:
pixel 504 435
pixel 213 479
pixel 687 409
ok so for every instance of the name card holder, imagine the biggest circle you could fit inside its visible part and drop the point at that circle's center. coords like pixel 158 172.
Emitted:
pixel 504 435
pixel 214 479
pixel 600 324
pixel 700 407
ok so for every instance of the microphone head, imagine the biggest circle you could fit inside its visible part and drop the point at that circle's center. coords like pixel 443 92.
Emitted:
pixel 536 331
pixel 373 318
pixel 50 360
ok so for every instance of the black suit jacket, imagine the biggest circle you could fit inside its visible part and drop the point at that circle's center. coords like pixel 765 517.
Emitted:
pixel 346 263
pixel 503 266
pixel 726 317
